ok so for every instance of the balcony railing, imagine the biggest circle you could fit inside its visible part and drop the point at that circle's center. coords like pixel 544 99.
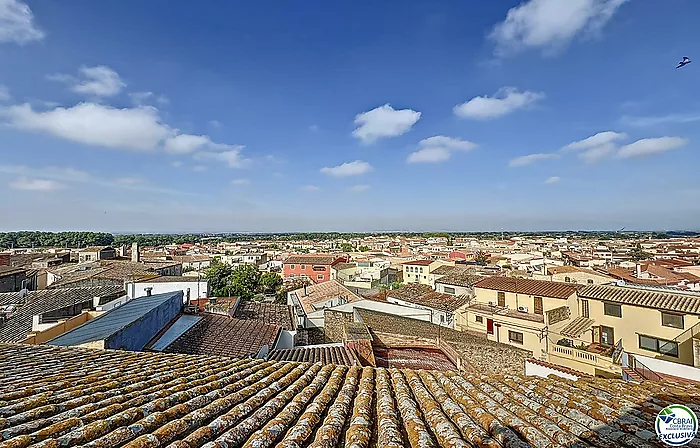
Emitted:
pixel 643 371
pixel 594 359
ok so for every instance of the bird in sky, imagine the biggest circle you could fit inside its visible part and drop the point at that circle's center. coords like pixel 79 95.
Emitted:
pixel 684 62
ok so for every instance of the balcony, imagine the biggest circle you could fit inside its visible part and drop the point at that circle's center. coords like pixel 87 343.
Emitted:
pixel 584 360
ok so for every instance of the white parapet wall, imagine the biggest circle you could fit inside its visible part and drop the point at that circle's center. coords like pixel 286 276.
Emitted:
pixel 670 368
pixel 535 369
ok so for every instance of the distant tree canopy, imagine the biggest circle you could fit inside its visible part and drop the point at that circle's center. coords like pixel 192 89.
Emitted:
pixel 638 254
pixel 482 257
pixel 346 247
pixel 51 239
pixel 363 248
pixel 243 281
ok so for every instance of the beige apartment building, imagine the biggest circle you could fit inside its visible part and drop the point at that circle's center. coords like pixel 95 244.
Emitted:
pixel 418 271
pixel 575 274
pixel 518 311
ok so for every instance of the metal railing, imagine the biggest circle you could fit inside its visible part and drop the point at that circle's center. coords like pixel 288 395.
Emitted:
pixel 642 370
pixel 687 334
pixel 617 352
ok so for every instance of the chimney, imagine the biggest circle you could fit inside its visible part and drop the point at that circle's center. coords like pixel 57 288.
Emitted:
pixel 639 270
pixel 148 291
pixel 135 257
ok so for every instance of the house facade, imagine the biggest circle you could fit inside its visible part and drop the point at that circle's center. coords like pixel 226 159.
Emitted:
pixel 418 271
pixel 314 267
pixel 97 253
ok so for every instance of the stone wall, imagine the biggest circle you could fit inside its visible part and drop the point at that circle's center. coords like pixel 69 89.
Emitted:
pixel 334 325
pixel 558 315
pixel 483 355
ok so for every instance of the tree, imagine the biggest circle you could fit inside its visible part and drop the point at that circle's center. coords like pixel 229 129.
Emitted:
pixel 270 283
pixel 482 257
pixel 364 249
pixel 346 247
pixel 244 281
pixel 638 254
pixel 217 275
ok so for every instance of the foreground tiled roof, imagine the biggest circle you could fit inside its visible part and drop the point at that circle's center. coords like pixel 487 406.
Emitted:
pixel 269 313
pixel 424 295
pixel 218 335
pixel 556 290
pixel 47 300
pixel 328 354
pixel 649 298
pixel 60 397
pixel 466 278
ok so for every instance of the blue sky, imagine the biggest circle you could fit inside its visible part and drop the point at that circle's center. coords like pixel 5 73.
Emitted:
pixel 350 116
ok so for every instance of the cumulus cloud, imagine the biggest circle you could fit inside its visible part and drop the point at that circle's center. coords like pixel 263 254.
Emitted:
pixel 99 81
pixel 504 102
pixel 552 180
pixel 186 143
pixel 649 146
pixel 231 155
pixel 141 98
pixel 138 129
pixel 595 147
pixel 439 149
pixel 358 188
pixel 24 183
pixel 550 24
pixel 355 168
pixel 17 23
pixel 240 182
pixel 530 159
pixel 384 122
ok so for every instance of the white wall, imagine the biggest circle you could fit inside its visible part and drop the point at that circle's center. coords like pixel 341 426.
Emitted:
pixel 438 317
pixel 134 290
pixel 670 368
pixel 533 369
pixel 316 318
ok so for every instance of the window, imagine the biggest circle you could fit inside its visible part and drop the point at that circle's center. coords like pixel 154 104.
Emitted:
pixel 319 277
pixel 612 309
pixel 501 299
pixel 585 311
pixel 421 270
pixel 589 281
pixel 424 277
pixel 662 346
pixel 449 290
pixel 291 266
pixel 291 275
pixel 672 320
pixel 303 266
pixel 538 306
pixel 515 337
pixel 479 319
pixel 442 318
pixel 567 279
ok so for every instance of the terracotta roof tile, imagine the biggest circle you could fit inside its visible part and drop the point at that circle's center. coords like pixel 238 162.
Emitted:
pixel 541 288
pixel 649 298
pixel 330 354
pixel 268 313
pixel 70 397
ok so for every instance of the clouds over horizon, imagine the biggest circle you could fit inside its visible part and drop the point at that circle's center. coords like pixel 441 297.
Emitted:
pixel 550 25
pixel 356 168
pixel 439 149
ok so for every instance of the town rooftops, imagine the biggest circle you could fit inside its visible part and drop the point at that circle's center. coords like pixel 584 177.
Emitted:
pixel 424 295
pixel 114 320
pixel 542 288
pixel 95 248
pixel 321 293
pixel 16 328
pixel 172 279
pixel 325 354
pixel 666 300
pixel 419 263
pixel 217 335
pixel 311 259
pixel 465 278
pixel 6 271
pixel 269 313
pixel 69 397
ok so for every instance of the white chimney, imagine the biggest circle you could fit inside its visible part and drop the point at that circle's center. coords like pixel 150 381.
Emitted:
pixel 135 256
pixel 639 270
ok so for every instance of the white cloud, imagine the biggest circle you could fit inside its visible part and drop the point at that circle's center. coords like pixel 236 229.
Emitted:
pixel 504 102
pixel 355 168
pixel 530 159
pixel 384 122
pixel 17 23
pixel 595 147
pixel 240 182
pixel 358 188
pixel 439 149
pixel 94 124
pixel 199 168
pixel 4 93
pixel 601 138
pixel 552 180
pixel 550 24
pixel 24 183
pixel 648 146
pixel 99 81
pixel 186 143
pixel 662 119
pixel 231 155
pixel 309 188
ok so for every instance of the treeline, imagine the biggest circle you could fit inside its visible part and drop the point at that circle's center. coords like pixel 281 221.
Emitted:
pixel 59 239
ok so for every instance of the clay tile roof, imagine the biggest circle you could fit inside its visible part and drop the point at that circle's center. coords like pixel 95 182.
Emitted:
pixel 576 327
pixel 70 397
pixel 328 354
pixel 559 368
pixel 556 290
pixel 419 263
pixel 268 313
pixel 649 298
pixel 461 278
pixel 424 295
pixel 311 259
pixel 218 335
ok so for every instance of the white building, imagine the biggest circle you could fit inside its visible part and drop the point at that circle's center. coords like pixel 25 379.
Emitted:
pixel 196 288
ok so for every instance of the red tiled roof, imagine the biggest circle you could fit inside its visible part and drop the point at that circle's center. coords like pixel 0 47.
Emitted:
pixel 419 262
pixel 528 286
pixel 562 369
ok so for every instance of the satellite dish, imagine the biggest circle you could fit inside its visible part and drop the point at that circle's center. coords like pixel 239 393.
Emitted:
pixel 620 282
